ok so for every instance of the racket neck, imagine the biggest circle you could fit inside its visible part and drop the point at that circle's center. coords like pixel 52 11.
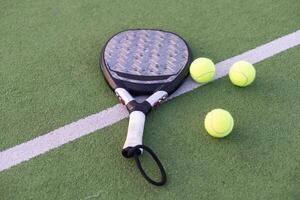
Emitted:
pixel 145 106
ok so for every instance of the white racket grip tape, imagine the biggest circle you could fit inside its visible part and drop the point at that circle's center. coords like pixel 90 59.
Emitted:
pixel 135 129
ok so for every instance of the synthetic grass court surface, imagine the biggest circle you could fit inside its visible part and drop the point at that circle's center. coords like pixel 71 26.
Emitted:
pixel 50 77
pixel 259 160
pixel 49 50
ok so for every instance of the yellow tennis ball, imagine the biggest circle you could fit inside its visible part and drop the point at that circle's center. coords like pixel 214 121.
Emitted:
pixel 202 70
pixel 242 73
pixel 218 123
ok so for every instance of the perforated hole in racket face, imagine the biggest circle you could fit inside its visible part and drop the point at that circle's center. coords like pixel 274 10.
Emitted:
pixel 144 60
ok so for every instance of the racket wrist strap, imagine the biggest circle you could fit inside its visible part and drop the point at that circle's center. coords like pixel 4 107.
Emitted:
pixel 135 152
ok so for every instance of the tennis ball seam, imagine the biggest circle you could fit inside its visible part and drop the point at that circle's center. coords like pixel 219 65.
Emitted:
pixel 245 76
pixel 211 123
pixel 205 74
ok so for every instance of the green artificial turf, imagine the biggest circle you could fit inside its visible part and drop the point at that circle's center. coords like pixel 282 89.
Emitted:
pixel 259 160
pixel 49 50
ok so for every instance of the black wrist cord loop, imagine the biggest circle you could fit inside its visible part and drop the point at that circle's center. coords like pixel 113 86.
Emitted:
pixel 135 152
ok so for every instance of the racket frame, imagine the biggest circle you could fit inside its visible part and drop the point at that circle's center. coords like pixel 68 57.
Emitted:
pixel 139 88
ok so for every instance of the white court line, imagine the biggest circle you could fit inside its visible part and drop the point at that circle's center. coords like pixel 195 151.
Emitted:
pixel 85 126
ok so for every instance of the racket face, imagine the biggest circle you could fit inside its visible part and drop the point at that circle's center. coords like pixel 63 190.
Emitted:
pixel 144 61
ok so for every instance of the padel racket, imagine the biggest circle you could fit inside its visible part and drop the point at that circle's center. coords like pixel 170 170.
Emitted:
pixel 140 62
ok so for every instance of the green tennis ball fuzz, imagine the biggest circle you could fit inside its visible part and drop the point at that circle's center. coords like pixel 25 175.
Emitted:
pixel 218 123
pixel 242 73
pixel 202 70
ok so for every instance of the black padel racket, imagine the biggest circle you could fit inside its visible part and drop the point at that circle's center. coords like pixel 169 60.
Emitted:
pixel 140 62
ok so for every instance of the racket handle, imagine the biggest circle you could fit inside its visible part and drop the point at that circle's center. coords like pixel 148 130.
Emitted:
pixel 135 131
